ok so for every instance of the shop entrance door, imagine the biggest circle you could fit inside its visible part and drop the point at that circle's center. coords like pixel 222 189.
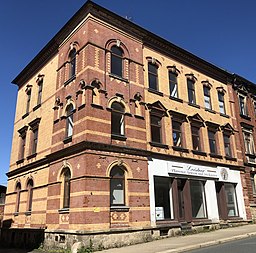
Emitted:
pixel 180 188
pixel 221 200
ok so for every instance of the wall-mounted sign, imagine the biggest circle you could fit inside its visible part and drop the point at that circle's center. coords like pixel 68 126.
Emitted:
pixel 193 170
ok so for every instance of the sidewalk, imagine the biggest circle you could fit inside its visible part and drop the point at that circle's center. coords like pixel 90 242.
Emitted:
pixel 189 242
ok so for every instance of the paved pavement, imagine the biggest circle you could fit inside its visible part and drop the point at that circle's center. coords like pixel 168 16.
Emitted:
pixel 189 242
pixel 179 243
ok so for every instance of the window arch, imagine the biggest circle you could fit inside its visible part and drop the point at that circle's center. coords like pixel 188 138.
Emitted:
pixel 18 190
pixel 72 62
pixel 69 120
pixel 117 186
pixel 30 186
pixel 117 61
pixel 117 118
pixel 66 176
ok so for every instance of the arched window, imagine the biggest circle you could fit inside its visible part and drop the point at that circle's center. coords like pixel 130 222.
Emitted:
pixel 117 186
pixel 30 186
pixel 117 61
pixel 117 118
pixel 17 189
pixel 69 120
pixel 72 62
pixel 66 188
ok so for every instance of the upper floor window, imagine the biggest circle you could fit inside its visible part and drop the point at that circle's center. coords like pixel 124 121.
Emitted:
pixel 18 190
pixel 117 186
pixel 30 186
pixel 207 97
pixel 156 128
pixel 221 102
pixel 253 184
pixel 40 89
pixel 23 135
pixel 117 119
pixel 69 120
pixel 212 141
pixel 173 84
pixel 28 99
pixel 248 142
pixel 191 91
pixel 196 142
pixel 227 145
pixel 153 76
pixel 66 188
pixel 34 125
pixel 117 61
pixel 242 104
pixel 72 62
pixel 176 133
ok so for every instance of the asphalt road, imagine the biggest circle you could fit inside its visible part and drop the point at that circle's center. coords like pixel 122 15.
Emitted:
pixel 247 245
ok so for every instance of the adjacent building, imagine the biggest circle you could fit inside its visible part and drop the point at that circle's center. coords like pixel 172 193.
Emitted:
pixel 121 134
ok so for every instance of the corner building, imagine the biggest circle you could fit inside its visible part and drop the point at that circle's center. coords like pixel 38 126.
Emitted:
pixel 119 137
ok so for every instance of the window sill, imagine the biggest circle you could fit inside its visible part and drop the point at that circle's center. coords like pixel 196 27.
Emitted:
pixel 250 155
pixel 56 121
pixel 176 99
pixel 119 209
pixel 36 107
pixel 156 92
pixel 28 213
pixel 20 161
pixel 180 149
pixel 64 210
pixel 139 117
pixel 158 145
pixel 245 116
pixel 67 139
pixel 230 158
pixel 215 156
pixel 25 115
pixel 118 137
pixel 97 106
pixel 198 152
pixel 224 115
pixel 119 77
pixel 80 107
pixel 70 80
pixel 210 110
pixel 31 156
pixel 194 105
pixel 16 214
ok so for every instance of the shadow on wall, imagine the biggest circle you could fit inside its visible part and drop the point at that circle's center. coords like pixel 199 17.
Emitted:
pixel 21 238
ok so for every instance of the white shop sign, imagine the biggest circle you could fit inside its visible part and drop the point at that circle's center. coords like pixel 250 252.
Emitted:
pixel 193 170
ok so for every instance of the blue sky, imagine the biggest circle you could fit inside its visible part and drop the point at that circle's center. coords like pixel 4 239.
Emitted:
pixel 221 32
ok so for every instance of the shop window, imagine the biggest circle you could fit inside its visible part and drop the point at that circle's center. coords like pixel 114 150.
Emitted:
pixel 66 187
pixel 242 104
pixel 30 186
pixel 173 84
pixel 227 146
pixel 117 61
pixel 117 188
pixel 207 97
pixel 191 91
pixel 253 184
pixel 197 199
pixel 156 128
pixel 69 120
pixel 221 102
pixel 117 119
pixel 72 63
pixel 212 141
pixel 153 76
pixel 18 190
pixel 163 195
pixel 231 200
pixel 177 133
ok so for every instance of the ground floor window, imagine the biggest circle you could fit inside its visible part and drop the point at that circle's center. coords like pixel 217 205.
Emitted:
pixel 197 199
pixel 231 200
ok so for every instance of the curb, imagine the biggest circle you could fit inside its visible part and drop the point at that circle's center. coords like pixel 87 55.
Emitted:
pixel 208 244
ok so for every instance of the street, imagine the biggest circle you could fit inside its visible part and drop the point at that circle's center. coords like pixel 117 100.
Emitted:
pixel 247 245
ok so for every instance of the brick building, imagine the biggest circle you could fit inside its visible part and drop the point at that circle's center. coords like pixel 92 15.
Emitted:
pixel 122 135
